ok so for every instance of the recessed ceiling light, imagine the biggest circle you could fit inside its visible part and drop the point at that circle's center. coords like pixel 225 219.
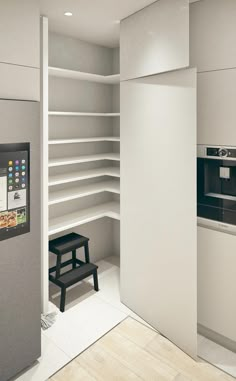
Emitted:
pixel 67 14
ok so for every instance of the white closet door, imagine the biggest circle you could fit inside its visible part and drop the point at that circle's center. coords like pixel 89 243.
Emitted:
pixel 158 203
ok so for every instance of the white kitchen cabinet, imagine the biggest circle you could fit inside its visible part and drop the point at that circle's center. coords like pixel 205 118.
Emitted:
pixel 213 34
pixel 19 32
pixel 217 282
pixel 155 39
pixel 216 107
pixel 19 82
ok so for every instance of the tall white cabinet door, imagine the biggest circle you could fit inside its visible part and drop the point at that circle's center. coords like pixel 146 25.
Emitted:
pixel 155 39
pixel 158 203
pixel 216 107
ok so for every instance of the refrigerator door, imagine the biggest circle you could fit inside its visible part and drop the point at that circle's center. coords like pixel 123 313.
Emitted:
pixel 20 331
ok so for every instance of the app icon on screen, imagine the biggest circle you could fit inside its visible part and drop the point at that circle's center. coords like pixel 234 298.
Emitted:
pixel 17 168
pixel 17 174
pixel 10 181
pixel 23 167
pixel 23 185
pixel 23 161
pixel 10 188
pixel 10 175
pixel 10 169
pixel 17 180
pixel 10 162
pixel 23 173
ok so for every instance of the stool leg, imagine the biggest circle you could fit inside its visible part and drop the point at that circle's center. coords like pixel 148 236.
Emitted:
pixel 58 266
pixel 73 259
pixel 95 280
pixel 63 299
pixel 86 253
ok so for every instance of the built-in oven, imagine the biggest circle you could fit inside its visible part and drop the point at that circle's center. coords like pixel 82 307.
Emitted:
pixel 216 187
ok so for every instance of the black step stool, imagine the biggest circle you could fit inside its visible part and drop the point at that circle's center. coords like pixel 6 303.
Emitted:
pixel 80 270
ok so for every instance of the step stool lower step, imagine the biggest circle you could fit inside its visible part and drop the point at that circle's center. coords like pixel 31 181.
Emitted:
pixel 74 276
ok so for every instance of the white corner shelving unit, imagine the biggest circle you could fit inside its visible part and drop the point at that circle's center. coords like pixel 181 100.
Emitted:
pixel 81 146
pixel 72 177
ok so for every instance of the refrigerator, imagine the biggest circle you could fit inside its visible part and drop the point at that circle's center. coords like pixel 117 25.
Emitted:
pixel 20 236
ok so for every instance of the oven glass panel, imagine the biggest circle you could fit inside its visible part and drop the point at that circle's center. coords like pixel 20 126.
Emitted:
pixel 216 190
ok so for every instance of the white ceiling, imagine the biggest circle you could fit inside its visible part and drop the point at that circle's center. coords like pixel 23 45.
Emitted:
pixel 95 21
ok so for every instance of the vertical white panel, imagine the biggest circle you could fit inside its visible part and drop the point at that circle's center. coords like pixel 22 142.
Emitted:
pixel 155 39
pixel 44 163
pixel 158 203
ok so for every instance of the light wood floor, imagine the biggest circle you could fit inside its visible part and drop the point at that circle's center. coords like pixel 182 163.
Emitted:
pixel 132 351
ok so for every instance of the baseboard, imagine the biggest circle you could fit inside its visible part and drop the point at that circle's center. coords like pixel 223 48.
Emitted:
pixel 217 338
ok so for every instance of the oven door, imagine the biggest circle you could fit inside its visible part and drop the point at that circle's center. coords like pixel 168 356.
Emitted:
pixel 216 193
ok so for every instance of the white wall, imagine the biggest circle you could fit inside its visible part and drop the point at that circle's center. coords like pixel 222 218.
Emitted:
pixel 71 53
pixel 155 39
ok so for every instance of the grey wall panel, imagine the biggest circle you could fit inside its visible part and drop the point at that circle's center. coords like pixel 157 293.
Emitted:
pixel 19 82
pixel 213 34
pixel 19 32
pixel 20 303
pixel 158 203
pixel 155 39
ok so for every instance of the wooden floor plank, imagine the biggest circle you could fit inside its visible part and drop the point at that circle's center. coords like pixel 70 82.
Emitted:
pixel 103 366
pixel 73 372
pixel 132 351
pixel 163 349
pixel 134 357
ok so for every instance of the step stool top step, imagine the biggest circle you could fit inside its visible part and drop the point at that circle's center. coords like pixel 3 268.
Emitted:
pixel 67 243
pixel 73 276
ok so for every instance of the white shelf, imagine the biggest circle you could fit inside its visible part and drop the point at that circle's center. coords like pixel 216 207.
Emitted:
pixel 83 191
pixel 71 113
pixel 73 74
pixel 69 221
pixel 83 159
pixel 85 140
pixel 83 175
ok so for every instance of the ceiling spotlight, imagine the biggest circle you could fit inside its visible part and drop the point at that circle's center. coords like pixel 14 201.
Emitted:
pixel 68 14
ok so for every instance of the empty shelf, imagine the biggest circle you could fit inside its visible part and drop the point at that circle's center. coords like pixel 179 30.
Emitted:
pixel 72 113
pixel 85 140
pixel 73 74
pixel 83 159
pixel 69 221
pixel 83 175
pixel 83 191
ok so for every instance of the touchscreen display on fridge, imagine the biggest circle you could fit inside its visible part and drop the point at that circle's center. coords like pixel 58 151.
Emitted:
pixel 14 190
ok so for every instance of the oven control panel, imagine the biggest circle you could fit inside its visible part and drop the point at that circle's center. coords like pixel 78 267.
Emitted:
pixel 221 152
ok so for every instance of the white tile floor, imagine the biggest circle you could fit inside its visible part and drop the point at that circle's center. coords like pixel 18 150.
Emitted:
pixel 217 355
pixel 88 316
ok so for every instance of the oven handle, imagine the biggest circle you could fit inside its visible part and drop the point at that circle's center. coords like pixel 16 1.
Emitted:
pixel 216 225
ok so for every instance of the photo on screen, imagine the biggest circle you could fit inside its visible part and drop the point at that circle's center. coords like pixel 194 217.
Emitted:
pixel 16 199
pixel 21 216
